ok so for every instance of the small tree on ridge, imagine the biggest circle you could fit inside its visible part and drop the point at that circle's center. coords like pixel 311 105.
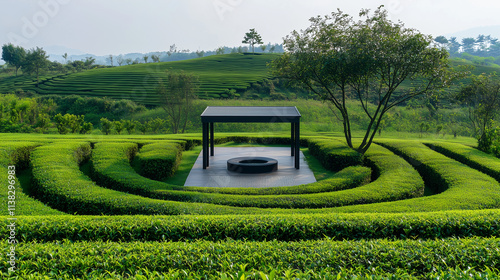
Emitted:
pixel 252 38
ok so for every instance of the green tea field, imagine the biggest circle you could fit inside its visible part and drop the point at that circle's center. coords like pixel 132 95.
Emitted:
pixel 115 207
pixel 137 82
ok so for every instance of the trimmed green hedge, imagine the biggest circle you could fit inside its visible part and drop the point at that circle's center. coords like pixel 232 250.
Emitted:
pixel 464 188
pixel 334 154
pixel 399 181
pixel 61 184
pixel 159 161
pixel 56 169
pixel 254 260
pixel 347 178
pixel 284 227
pixel 472 157
pixel 18 154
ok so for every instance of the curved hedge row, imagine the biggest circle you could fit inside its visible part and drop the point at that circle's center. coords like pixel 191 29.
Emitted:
pixel 472 157
pixel 464 188
pixel 61 184
pixel 334 154
pixel 18 154
pixel 246 259
pixel 53 165
pixel 283 227
pixel 112 170
pixel 347 178
pixel 159 161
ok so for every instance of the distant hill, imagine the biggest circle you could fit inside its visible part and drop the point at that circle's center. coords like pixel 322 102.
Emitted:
pixel 493 30
pixel 137 82
pixel 217 74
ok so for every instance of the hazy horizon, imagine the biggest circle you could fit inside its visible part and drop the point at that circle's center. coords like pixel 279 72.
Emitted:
pixel 126 26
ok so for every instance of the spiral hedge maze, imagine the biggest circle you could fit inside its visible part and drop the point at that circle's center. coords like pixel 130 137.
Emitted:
pixel 405 210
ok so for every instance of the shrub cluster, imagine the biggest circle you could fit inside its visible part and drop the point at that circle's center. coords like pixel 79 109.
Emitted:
pixel 334 154
pixel 93 108
pixel 159 161
pixel 369 259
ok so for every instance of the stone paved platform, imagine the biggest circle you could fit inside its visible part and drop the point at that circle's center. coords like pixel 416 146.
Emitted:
pixel 216 175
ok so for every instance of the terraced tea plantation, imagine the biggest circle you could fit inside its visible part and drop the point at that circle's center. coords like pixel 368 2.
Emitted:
pixel 109 207
pixel 137 82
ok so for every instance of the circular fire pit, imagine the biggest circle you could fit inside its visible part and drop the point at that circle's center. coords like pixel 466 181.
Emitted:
pixel 252 165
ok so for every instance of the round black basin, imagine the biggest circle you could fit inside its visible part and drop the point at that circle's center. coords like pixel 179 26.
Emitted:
pixel 252 165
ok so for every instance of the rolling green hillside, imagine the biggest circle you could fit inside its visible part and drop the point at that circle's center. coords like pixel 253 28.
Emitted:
pixel 137 82
pixel 216 73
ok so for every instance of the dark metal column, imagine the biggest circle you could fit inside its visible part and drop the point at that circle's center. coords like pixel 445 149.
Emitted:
pixel 204 142
pixel 212 139
pixel 297 145
pixel 292 138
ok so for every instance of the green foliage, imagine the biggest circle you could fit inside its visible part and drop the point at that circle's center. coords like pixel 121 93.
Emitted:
pixel 18 154
pixel 143 127
pixel 137 82
pixel 159 161
pixel 282 227
pixel 177 98
pixel 347 178
pixel 337 57
pixel 23 114
pixel 14 55
pixel 35 62
pixel 420 242
pixel 320 259
pixel 106 126
pixel 71 123
pixel 156 125
pixel 469 156
pixel 119 126
pixel 489 140
pixel 93 108
pixel 482 96
pixel 130 126
pixel 59 183
pixel 457 184
pixel 86 128
pixel 252 38
pixel 112 169
pixel 334 154
pixel 43 122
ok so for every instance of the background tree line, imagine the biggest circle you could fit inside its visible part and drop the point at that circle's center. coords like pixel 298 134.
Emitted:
pixel 35 61
pixel 482 50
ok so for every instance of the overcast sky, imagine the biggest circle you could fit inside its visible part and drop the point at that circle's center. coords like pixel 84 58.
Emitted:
pixel 103 27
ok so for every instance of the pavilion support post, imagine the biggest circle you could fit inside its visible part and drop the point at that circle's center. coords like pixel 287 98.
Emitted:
pixel 211 139
pixel 297 145
pixel 292 139
pixel 205 145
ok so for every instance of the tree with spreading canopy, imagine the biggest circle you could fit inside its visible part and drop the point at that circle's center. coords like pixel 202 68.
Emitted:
pixel 374 60
pixel 177 93
pixel 252 38
pixel 14 55
pixel 35 62
pixel 482 97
